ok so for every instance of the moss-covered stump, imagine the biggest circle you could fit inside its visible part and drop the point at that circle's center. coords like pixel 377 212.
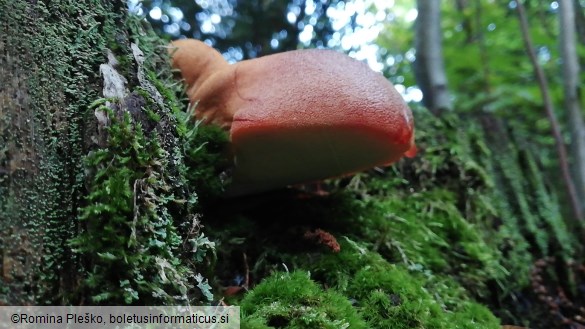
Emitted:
pixel 401 273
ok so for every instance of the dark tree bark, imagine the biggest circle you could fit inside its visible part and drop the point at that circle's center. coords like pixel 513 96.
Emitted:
pixel 468 26
pixel 50 52
pixel 429 67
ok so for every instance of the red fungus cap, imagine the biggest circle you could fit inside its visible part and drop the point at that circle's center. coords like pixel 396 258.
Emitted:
pixel 298 116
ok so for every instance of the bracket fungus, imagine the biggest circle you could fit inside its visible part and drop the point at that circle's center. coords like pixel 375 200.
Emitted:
pixel 298 116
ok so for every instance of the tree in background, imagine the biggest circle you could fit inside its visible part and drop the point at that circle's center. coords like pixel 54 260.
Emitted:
pixel 571 88
pixel 429 68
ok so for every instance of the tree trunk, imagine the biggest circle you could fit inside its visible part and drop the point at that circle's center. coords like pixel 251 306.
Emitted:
pixel 571 80
pixel 429 67
pixel 579 21
pixel 50 52
pixel 85 188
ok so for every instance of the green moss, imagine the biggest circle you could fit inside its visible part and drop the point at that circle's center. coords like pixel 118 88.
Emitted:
pixel 52 63
pixel 498 189
pixel 292 300
pixel 141 238
pixel 383 295
pixel 207 158
pixel 394 296
pixel 130 242
pixel 429 232
pixel 390 298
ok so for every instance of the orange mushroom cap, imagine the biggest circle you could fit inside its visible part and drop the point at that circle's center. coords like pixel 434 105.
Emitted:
pixel 297 116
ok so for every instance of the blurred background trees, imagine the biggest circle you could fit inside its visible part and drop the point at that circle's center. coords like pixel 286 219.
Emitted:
pixel 243 29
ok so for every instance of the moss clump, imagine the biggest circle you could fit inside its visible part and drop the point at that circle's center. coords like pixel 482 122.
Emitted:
pixel 294 301
pixel 429 232
pixel 205 156
pixel 130 242
pixel 394 296
pixel 382 295
pixel 139 227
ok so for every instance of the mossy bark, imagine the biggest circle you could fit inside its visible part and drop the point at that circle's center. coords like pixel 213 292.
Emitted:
pixel 59 201
pixel 50 52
